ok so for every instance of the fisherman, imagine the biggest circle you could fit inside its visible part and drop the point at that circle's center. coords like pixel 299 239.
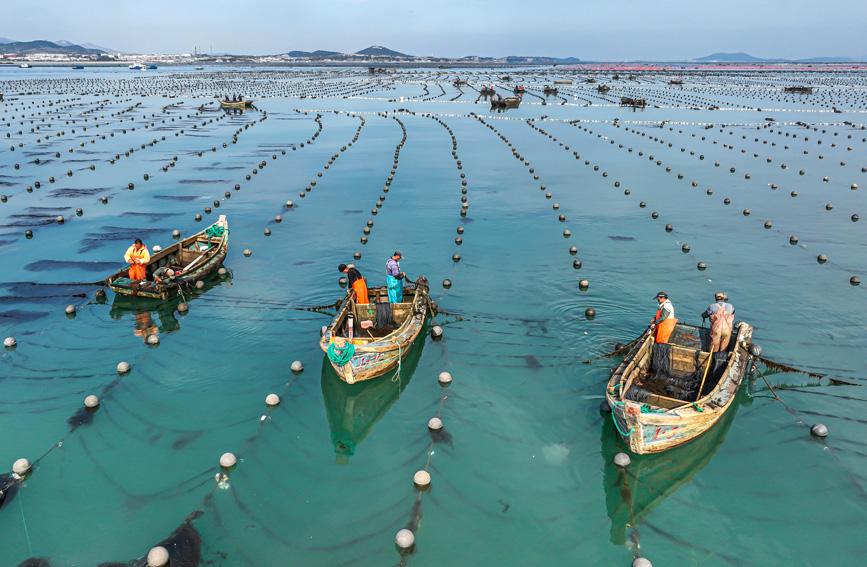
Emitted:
pixel 721 315
pixel 234 99
pixel 394 278
pixel 240 99
pixel 356 282
pixel 665 320
pixel 137 256
pixel 163 273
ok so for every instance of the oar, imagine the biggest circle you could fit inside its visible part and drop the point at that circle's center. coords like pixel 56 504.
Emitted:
pixel 706 368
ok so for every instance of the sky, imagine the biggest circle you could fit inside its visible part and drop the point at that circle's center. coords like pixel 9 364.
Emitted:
pixel 599 30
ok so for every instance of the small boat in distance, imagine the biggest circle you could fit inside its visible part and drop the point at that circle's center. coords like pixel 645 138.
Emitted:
pixel 549 90
pixel 799 89
pixel 199 68
pixel 24 66
pixel 375 336
pixel 135 67
pixel 235 103
pixel 603 89
pixel 664 395
pixel 563 82
pixel 193 258
pixel 78 67
pixel 633 102
pixel 508 102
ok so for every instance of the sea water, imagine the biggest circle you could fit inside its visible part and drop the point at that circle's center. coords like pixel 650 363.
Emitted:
pixel 522 473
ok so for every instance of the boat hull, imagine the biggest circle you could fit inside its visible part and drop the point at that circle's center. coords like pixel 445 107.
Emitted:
pixel 375 356
pixel 235 104
pixel 212 259
pixel 649 428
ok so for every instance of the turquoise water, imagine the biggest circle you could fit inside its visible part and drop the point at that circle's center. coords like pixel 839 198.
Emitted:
pixel 522 473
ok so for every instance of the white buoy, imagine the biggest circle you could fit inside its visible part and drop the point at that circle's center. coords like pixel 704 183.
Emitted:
pixel 200 284
pixel 123 368
pixel 297 366
pixel 436 332
pixel 91 402
pixel 10 342
pixel 435 424
pixel 153 340
pixel 641 562
pixel 272 399
pixel 183 307
pixel 70 309
pixel 21 467
pixel 404 539
pixel 622 460
pixel 421 479
pixel 228 460
pixel 445 378
pixel 222 271
pixel 158 557
pixel 247 252
pixel 819 430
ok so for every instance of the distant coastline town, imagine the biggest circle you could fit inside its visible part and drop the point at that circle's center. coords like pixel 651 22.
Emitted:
pixel 61 53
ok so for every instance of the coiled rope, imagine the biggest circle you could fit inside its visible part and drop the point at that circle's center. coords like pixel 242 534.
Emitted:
pixel 341 356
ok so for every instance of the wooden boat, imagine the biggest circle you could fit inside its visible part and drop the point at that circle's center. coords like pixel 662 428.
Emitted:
pixel 235 103
pixel 654 394
pixel 633 493
pixel 518 90
pixel 486 91
pixel 798 89
pixel 459 83
pixel 634 102
pixel 564 82
pixel 354 410
pixel 549 90
pixel 675 82
pixel 196 257
pixel 603 89
pixel 377 348
pixel 508 102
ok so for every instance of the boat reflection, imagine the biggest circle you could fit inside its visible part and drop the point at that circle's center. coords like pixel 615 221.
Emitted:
pixel 631 494
pixel 155 316
pixel 354 409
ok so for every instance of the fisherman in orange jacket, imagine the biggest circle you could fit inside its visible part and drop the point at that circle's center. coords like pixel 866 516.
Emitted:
pixel 137 256
pixel 356 282
pixel 665 320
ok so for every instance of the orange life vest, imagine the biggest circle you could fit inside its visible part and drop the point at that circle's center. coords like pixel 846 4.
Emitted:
pixel 360 287
pixel 665 327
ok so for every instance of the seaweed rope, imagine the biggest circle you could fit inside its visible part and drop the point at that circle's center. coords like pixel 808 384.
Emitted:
pixel 396 377
pixel 344 356
pixel 24 521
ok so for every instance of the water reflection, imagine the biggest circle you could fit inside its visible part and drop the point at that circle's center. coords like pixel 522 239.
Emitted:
pixel 631 494
pixel 354 409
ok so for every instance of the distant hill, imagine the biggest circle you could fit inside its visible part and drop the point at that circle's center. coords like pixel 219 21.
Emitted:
pixel 378 50
pixel 729 58
pixel 43 46
pixel 6 40
pixel 64 43
pixel 537 60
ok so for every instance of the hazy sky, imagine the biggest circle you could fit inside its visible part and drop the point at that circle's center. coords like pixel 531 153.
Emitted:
pixel 609 30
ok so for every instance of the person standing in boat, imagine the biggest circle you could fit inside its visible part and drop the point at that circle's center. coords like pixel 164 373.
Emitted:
pixel 356 282
pixel 722 316
pixel 394 278
pixel 665 320
pixel 137 256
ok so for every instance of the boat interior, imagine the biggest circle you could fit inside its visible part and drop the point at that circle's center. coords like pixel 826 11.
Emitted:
pixel 669 375
pixel 180 255
pixel 376 319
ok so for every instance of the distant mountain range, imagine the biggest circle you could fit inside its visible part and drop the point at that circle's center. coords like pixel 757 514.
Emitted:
pixel 44 46
pixel 747 58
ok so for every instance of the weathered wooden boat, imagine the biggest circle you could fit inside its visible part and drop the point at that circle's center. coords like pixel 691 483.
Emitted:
pixel 603 89
pixel 675 82
pixel 798 89
pixel 564 82
pixel 589 80
pixel 194 258
pixel 634 102
pixel 633 493
pixel 235 103
pixel 664 395
pixel 487 91
pixel 353 410
pixel 518 90
pixel 459 83
pixel 381 333
pixel 508 102
pixel 506 78
pixel 549 90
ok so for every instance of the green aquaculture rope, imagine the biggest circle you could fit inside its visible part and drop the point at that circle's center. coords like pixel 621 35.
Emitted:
pixel 341 356
pixel 215 231
pixel 644 409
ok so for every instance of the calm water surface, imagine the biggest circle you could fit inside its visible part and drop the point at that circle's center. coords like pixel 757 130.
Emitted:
pixel 523 472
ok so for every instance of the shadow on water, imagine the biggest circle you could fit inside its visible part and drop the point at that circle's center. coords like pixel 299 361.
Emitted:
pixel 631 494
pixel 354 409
pixel 155 316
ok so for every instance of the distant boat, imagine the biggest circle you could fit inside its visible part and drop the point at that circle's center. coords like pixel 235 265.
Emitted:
pixel 24 66
pixel 675 82
pixel 151 67
pixel 235 103
pixel 78 67
pixel 800 89
pixel 135 67
pixel 199 68
pixel 564 82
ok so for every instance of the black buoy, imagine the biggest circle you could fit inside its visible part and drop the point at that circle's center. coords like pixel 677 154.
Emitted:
pixel 855 280
pixel 701 266
pixel 573 250
pixel 590 313
pixel 447 283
